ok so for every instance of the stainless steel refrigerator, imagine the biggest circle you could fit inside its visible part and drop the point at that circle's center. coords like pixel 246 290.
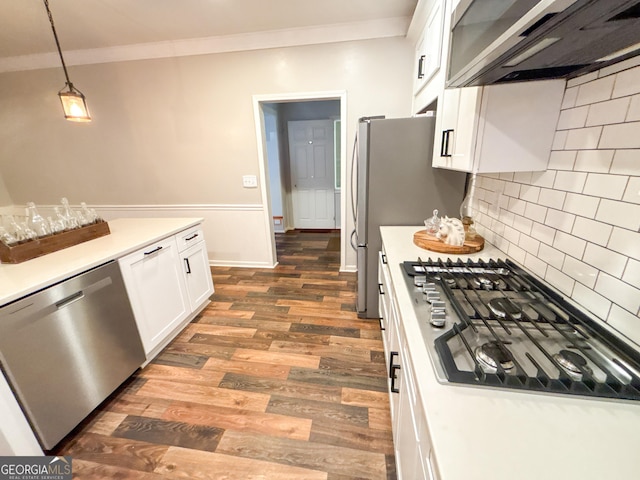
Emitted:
pixel 396 185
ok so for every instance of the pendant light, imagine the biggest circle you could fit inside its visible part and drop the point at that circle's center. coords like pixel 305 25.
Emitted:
pixel 73 101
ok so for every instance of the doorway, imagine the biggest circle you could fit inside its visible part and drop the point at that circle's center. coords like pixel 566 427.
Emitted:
pixel 301 161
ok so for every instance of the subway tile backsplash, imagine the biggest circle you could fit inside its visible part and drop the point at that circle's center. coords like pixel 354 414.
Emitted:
pixel 577 225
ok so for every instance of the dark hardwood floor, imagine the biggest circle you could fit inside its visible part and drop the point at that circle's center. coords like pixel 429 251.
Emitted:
pixel 276 378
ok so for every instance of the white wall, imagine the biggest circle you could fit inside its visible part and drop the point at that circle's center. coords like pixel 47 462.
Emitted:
pixel 180 131
pixel 577 224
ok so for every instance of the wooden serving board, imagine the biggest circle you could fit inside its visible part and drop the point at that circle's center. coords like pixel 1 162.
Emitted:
pixel 42 246
pixel 423 240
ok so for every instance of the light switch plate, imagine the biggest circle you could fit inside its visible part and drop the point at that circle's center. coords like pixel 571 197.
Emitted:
pixel 249 181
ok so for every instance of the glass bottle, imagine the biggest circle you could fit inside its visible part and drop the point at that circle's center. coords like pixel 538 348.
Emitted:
pixel 469 209
pixel 71 221
pixel 433 224
pixel 36 222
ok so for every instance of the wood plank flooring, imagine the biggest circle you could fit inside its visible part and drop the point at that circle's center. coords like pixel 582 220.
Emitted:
pixel 276 378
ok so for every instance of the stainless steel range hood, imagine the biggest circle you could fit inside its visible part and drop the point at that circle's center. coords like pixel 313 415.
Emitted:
pixel 546 39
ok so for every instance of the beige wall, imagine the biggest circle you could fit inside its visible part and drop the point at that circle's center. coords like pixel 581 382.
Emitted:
pixel 179 130
pixel 5 198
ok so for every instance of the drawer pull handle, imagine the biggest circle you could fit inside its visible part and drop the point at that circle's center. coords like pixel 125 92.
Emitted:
pixel 384 259
pixel 421 66
pixel 186 261
pixel 191 237
pixel 155 250
pixel 380 289
pixel 381 323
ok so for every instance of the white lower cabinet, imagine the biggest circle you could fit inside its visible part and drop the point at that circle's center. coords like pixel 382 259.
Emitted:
pixel 157 291
pixel 412 444
pixel 168 282
pixel 195 265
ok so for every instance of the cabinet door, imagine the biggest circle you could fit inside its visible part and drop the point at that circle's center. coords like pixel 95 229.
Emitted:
pixel 156 288
pixel 197 274
pixel 433 41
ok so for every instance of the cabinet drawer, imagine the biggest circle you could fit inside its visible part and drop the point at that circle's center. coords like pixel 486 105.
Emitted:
pixel 189 237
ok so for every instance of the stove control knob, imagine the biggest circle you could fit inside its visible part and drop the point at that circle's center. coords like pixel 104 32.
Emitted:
pixel 438 313
pixel 433 296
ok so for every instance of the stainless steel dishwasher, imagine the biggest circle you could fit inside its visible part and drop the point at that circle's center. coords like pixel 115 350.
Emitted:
pixel 66 348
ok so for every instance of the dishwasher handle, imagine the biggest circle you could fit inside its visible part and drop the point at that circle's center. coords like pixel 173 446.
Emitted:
pixel 70 299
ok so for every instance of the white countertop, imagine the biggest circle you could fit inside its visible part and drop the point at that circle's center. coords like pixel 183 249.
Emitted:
pixel 127 235
pixel 496 434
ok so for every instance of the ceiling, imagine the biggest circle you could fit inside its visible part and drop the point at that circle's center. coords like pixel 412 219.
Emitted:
pixel 96 24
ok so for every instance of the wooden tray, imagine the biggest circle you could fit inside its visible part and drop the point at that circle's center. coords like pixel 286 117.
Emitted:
pixel 423 240
pixel 36 248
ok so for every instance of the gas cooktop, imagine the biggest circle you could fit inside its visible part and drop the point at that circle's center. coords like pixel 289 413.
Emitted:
pixel 493 324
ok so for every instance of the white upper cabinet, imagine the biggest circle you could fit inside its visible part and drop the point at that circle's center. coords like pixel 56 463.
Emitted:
pixel 497 128
pixel 429 47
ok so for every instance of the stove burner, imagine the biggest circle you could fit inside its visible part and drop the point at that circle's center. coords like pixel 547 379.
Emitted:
pixel 493 353
pixel 503 306
pixel 572 362
pixel 483 282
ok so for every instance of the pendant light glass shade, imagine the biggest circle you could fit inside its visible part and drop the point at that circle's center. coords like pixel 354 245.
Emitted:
pixel 74 105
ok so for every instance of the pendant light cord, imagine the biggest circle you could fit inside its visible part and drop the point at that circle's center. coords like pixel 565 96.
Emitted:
pixel 55 36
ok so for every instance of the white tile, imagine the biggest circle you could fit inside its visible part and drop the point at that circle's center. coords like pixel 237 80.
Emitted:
pixel 508 176
pixel 580 271
pixel 605 185
pixel 506 217
pixel 592 231
pixel 594 160
pixel 543 179
pixel 625 242
pixel 595 91
pixel 626 162
pixel 582 205
pixel 620 66
pixel 552 198
pixel 562 160
pixel 543 233
pixel 512 189
pixel 502 244
pixel 517 206
pixel 559 140
pixel 585 138
pixel 632 193
pixel 622 214
pixel 498 227
pixel 606 260
pixel 517 253
pixel 632 273
pixel 560 220
pixel 627 83
pixel 534 212
pixel 570 181
pixel 595 303
pixel 529 193
pixel 559 280
pixel 522 224
pixel 625 322
pixel 605 113
pixel 573 118
pixel 621 135
pixel 536 265
pixel 633 115
pixel 503 202
pixel 522 177
pixel 570 96
pixel 569 244
pixel 587 77
pixel 619 292
pixel 529 244
pixel 550 255
pixel 511 234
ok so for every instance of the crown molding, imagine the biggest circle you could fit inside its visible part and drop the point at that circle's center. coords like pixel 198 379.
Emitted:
pixel 383 28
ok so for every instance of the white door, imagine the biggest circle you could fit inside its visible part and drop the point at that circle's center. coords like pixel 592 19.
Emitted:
pixel 312 177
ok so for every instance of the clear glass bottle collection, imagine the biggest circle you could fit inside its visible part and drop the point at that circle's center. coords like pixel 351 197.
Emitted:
pixel 33 225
